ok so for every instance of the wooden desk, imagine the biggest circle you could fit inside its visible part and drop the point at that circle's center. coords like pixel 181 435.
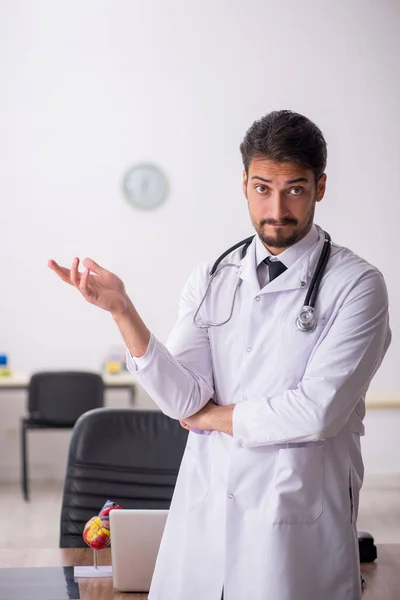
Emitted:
pixel 123 381
pixel 90 588
pixel 382 577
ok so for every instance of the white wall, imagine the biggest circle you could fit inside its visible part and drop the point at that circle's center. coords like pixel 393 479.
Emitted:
pixel 90 87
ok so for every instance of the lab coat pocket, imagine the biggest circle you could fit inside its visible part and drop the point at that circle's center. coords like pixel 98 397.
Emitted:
pixel 297 494
pixel 295 348
pixel 197 464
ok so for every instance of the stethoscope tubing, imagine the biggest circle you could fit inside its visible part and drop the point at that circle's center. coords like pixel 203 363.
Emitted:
pixel 311 296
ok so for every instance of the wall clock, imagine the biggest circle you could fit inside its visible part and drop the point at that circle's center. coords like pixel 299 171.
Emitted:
pixel 145 186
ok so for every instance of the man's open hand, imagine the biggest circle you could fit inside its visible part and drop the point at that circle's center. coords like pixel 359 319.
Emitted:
pixel 97 285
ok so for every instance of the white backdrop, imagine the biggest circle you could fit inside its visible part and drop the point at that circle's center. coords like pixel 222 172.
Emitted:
pixel 91 87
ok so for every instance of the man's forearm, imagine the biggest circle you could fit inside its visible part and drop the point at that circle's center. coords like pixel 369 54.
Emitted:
pixel 212 417
pixel 135 333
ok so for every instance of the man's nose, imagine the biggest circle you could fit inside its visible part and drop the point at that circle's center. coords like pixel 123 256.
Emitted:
pixel 277 207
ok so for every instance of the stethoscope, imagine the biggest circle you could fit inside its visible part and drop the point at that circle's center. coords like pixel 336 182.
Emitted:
pixel 306 321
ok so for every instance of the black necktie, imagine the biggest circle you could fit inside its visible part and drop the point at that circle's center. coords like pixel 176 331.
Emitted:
pixel 275 268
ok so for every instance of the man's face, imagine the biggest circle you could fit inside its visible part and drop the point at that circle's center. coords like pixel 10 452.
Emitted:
pixel 281 198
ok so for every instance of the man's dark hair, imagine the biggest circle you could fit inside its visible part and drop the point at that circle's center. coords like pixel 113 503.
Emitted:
pixel 285 136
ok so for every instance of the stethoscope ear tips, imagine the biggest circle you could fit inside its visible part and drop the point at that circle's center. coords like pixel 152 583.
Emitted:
pixel 306 320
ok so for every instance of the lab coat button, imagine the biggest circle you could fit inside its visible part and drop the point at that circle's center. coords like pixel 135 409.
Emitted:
pixel 249 349
pixel 240 443
pixel 258 298
pixel 230 496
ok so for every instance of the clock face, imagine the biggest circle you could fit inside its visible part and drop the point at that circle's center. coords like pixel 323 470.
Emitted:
pixel 145 186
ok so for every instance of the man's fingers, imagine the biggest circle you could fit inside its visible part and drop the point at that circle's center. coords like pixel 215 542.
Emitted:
pixel 75 275
pixel 62 272
pixel 93 266
pixel 83 284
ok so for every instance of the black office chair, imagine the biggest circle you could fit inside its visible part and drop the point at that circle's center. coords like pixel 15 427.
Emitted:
pixel 55 401
pixel 129 456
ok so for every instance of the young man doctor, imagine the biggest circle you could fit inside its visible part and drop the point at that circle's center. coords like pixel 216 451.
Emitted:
pixel 266 500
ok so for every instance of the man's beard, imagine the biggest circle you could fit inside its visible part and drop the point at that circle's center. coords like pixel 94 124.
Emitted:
pixel 279 240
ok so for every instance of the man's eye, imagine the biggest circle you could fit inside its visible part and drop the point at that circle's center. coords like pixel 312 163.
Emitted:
pixel 261 189
pixel 296 191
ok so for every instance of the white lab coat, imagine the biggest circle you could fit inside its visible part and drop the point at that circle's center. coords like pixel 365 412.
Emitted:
pixel 270 513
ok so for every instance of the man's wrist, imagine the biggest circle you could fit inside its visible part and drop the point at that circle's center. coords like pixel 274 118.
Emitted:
pixel 135 333
pixel 127 314
pixel 220 418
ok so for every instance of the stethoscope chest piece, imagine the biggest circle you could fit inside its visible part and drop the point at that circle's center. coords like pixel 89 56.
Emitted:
pixel 306 320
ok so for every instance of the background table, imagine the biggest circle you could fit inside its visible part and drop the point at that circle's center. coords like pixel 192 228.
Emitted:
pixel 382 577
pixel 122 381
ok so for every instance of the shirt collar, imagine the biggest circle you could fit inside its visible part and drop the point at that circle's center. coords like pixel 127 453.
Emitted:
pixel 289 256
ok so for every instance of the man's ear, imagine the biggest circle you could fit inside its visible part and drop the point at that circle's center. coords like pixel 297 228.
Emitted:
pixel 321 187
pixel 244 183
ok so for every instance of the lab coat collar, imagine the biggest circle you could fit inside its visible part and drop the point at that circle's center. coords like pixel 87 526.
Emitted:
pixel 300 260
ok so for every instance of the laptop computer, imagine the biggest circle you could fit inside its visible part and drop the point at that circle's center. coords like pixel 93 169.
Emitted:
pixel 135 540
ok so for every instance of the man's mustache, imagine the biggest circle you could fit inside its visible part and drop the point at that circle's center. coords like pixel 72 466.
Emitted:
pixel 286 221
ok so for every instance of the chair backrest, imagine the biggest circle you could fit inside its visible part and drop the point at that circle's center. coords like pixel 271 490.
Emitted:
pixel 62 397
pixel 129 456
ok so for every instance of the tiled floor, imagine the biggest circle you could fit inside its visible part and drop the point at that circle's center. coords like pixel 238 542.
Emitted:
pixel 35 524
